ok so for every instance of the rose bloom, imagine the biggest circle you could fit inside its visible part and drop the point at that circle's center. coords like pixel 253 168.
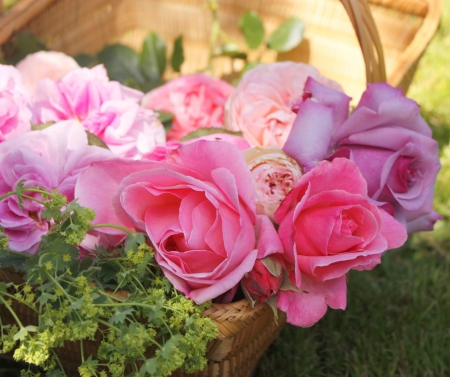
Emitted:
pixel 197 208
pixel 261 105
pixel 274 175
pixel 385 136
pixel 126 128
pixel 51 159
pixel 197 101
pixel 77 94
pixel 45 64
pixel 15 117
pixel 327 227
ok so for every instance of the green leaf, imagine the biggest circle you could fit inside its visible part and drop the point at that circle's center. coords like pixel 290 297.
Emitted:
pixel 272 265
pixel 150 366
pixel 85 60
pixel 232 50
pixel 209 131
pixel 44 298
pixel 15 260
pixel 287 36
pixel 253 29
pixel 22 333
pixel 20 45
pixel 178 54
pixel 42 126
pixel 95 140
pixel 153 57
pixel 133 241
pixel 121 62
pixel 168 348
pixel 120 315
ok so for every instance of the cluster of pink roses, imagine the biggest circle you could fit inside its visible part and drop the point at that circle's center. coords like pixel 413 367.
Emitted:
pixel 224 211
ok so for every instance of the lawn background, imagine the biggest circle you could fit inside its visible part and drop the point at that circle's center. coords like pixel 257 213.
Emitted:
pixel 397 322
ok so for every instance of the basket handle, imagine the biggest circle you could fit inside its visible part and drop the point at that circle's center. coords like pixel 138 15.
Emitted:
pixel 368 38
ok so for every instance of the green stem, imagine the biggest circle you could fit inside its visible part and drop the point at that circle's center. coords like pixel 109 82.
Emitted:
pixel 57 360
pixel 126 230
pixel 13 313
pixel 4 293
pixel 11 193
pixel 24 255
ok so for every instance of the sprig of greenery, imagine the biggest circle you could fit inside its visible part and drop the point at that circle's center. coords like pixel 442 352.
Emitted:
pixel 118 298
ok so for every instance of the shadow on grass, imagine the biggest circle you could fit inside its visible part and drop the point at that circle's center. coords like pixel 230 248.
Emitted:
pixel 397 323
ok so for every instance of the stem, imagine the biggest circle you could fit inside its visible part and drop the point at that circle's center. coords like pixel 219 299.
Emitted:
pixel 82 350
pixel 58 361
pixel 15 298
pixel 11 193
pixel 24 255
pixel 13 313
pixel 126 230
pixel 215 30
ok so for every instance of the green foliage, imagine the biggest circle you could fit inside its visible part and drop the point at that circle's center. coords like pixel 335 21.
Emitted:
pixel 146 325
pixel 177 58
pixel 153 57
pixel 287 36
pixel 209 131
pixel 252 27
pixel 121 62
pixel 20 45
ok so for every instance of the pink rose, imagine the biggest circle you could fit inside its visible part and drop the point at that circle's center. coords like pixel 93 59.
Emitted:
pixel 261 105
pixel 197 101
pixel 126 128
pixel 197 208
pixel 52 159
pixel 15 117
pixel 385 136
pixel 327 227
pixel 77 94
pixel 45 64
pixel 274 175
pixel 162 152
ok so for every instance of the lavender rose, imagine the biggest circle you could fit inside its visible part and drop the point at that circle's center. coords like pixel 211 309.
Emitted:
pixel 385 136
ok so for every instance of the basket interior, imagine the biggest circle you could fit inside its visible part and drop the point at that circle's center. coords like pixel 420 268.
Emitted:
pixel 329 42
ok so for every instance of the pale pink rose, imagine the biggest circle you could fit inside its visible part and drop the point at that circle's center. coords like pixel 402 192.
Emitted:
pixel 197 208
pixel 274 176
pixel 126 128
pixel 52 159
pixel 77 94
pixel 45 64
pixel 385 136
pixel 327 227
pixel 261 105
pixel 197 101
pixel 15 117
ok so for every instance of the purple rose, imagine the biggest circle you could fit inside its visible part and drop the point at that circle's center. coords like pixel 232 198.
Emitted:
pixel 385 136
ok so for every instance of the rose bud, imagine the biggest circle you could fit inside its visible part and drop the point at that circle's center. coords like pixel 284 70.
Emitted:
pixel 264 281
pixel 274 175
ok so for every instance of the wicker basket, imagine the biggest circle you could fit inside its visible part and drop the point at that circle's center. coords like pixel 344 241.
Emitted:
pixel 244 335
pixel 331 40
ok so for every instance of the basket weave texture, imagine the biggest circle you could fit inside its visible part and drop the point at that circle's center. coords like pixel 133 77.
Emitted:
pixel 349 41
pixel 244 335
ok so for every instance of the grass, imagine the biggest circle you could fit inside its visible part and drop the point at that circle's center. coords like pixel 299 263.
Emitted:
pixel 397 322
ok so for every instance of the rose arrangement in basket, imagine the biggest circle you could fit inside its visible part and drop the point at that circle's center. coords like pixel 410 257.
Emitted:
pixel 130 232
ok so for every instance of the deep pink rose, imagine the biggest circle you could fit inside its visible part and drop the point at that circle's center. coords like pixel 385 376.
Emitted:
pixel 77 94
pixel 198 209
pixel 45 64
pixel 261 105
pixel 126 128
pixel 327 227
pixel 15 117
pixel 197 101
pixel 386 137
pixel 52 159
